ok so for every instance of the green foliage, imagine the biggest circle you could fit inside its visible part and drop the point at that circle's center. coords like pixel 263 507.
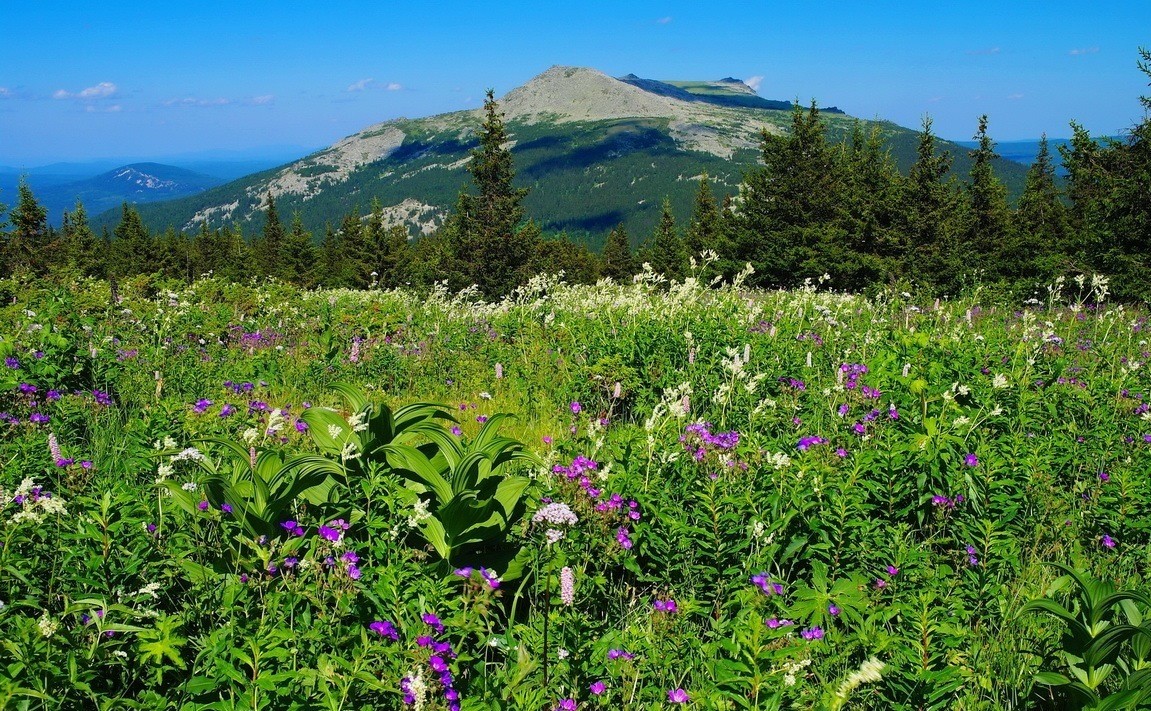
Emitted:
pixel 1105 632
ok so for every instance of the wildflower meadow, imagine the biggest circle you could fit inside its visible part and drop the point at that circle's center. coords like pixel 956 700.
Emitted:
pixel 639 496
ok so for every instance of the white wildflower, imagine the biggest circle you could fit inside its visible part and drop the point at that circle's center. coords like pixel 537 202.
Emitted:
pixel 47 625
pixel 149 589
pixel 188 486
pixel 190 454
pixel 999 382
pixel 358 422
pixel 335 431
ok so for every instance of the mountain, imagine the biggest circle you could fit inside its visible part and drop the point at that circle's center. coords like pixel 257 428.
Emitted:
pixel 138 183
pixel 596 151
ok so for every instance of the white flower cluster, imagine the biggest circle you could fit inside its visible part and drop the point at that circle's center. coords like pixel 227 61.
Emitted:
pixel 32 504
pixel 47 625
pixel 557 514
pixel 419 513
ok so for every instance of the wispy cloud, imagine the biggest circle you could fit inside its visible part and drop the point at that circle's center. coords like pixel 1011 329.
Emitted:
pixel 1083 50
pixel 754 82
pixel 262 100
pixel 6 93
pixel 101 109
pixel 663 20
pixel 194 102
pixel 1015 96
pixel 103 90
pixel 365 84
pixel 985 51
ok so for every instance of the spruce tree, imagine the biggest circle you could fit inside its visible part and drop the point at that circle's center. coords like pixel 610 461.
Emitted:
pixel 616 260
pixel 1041 220
pixel 871 234
pixel 135 250
pixel 28 241
pixel 299 263
pixel 489 244
pixel 929 208
pixel 987 246
pixel 665 250
pixel 705 228
pixel 80 244
pixel 268 249
pixel 786 206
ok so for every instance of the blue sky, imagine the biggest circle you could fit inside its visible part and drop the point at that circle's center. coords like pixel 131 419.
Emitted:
pixel 87 80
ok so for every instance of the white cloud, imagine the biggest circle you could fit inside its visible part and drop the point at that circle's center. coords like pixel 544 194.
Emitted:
pixel 664 20
pixel 1015 96
pixel 754 82
pixel 394 86
pixel 263 99
pixel 94 109
pixel 360 85
pixel 103 90
pixel 193 101
pixel 989 50
pixel 1083 50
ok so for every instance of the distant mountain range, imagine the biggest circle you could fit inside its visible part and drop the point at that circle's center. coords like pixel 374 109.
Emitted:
pixel 106 183
pixel 138 183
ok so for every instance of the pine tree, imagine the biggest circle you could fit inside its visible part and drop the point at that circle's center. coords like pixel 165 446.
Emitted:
pixel 135 250
pixel 268 249
pixel 489 244
pixel 332 262
pixel 929 209
pixel 356 270
pixel 395 264
pixel 80 244
pixel 28 241
pixel 987 244
pixel 705 228
pixel 616 260
pixel 665 250
pixel 299 262
pixel 786 206
pixel 871 235
pixel 1041 220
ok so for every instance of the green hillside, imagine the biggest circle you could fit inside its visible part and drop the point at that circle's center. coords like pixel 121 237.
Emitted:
pixel 585 176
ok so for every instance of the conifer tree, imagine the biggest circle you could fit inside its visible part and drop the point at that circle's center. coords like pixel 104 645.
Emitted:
pixel 135 251
pixel 268 249
pixel 665 251
pixel 489 244
pixel 786 205
pixel 929 208
pixel 871 235
pixel 986 246
pixel 332 262
pixel 299 263
pixel 29 237
pixel 81 248
pixel 705 228
pixel 1041 219
pixel 616 259
pixel 395 257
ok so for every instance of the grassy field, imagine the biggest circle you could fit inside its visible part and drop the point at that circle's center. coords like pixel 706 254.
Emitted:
pixel 248 496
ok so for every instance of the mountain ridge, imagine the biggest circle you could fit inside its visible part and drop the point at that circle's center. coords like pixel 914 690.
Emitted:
pixel 595 151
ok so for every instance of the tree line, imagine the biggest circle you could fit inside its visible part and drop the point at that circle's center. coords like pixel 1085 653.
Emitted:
pixel 813 207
